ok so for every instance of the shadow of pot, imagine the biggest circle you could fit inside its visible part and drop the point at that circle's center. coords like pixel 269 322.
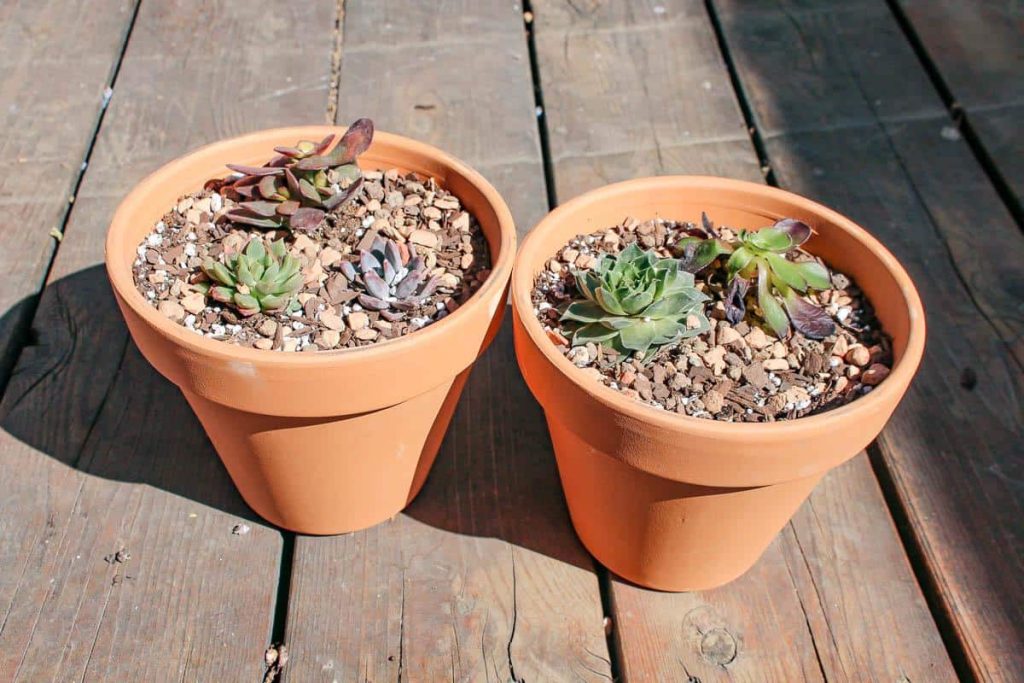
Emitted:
pixel 326 442
pixel 680 503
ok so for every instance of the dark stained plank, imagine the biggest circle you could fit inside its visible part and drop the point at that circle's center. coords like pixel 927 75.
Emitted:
pixel 56 60
pixel 482 578
pixel 978 51
pixel 99 453
pixel 952 450
pixel 837 575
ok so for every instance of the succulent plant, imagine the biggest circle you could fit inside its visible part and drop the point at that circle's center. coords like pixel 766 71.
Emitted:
pixel 392 276
pixel 295 189
pixel 260 278
pixel 636 302
pixel 766 254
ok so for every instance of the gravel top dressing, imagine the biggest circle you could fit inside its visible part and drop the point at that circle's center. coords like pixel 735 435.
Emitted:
pixel 427 253
pixel 722 370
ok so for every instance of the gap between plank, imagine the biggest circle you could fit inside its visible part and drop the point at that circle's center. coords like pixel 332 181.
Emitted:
pixel 538 100
pixel 959 115
pixel 911 544
pixel 603 575
pixel 21 333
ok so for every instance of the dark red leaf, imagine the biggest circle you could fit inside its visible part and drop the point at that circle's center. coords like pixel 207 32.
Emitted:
pixel 807 318
pixel 798 231
pixel 735 300
pixel 255 170
pixel 324 144
pixel 317 163
pixel 268 186
pixel 260 208
pixel 305 219
pixel 287 208
pixel 337 199
pixel 354 142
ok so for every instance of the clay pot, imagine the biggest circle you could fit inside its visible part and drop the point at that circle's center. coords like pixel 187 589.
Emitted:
pixel 679 503
pixel 326 442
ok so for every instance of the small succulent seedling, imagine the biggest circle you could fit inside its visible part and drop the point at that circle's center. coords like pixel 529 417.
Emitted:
pixel 256 279
pixel 765 253
pixel 391 277
pixel 636 302
pixel 295 189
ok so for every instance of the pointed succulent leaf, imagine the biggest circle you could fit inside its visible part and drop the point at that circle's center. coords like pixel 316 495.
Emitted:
pixel 786 271
pixel 273 302
pixel 368 262
pixel 584 312
pixel 639 336
pixel 348 270
pixel 774 315
pixel 769 239
pixel 593 333
pixel 388 272
pixel 222 294
pixel 287 208
pixel 815 274
pixel 393 254
pixel 238 217
pixel 373 303
pixel 375 285
pixel 608 301
pixel 354 142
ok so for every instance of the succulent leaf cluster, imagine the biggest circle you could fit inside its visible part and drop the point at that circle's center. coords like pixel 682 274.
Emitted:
pixel 295 189
pixel 766 255
pixel 636 302
pixel 262 277
pixel 392 277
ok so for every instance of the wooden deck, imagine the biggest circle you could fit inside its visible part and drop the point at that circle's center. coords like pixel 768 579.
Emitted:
pixel 123 555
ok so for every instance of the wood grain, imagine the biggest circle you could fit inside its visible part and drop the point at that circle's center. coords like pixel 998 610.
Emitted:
pixel 978 50
pixel 653 77
pixel 56 60
pixel 952 449
pixel 100 453
pixel 481 579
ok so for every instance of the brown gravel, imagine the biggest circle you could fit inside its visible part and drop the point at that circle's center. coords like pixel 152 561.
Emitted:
pixel 734 373
pixel 409 209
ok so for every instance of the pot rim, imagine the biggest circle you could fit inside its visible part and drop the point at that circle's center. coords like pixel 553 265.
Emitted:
pixel 888 392
pixel 120 274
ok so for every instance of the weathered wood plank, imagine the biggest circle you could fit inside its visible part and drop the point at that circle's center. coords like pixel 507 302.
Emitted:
pixel 925 196
pixel 99 452
pixel 653 75
pixel 978 50
pixel 482 577
pixel 57 58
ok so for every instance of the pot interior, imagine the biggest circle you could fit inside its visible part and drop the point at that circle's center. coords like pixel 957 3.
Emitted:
pixel 162 189
pixel 843 245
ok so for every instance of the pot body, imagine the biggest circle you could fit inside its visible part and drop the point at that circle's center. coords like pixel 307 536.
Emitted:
pixel 680 503
pixel 325 442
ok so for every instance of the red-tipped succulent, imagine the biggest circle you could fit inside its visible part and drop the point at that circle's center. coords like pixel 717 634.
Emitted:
pixel 296 189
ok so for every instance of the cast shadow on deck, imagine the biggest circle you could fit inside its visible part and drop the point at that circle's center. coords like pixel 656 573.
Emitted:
pixel 82 394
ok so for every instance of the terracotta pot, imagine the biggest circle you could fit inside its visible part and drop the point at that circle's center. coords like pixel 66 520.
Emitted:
pixel 679 503
pixel 326 442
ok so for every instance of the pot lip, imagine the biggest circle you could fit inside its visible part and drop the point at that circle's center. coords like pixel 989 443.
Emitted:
pixel 886 393
pixel 121 278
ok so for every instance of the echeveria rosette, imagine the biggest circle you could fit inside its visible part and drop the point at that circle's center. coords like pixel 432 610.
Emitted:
pixel 764 255
pixel 260 278
pixel 636 302
pixel 295 189
pixel 391 277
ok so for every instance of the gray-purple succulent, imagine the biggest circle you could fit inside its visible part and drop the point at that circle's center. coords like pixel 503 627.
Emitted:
pixel 392 278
